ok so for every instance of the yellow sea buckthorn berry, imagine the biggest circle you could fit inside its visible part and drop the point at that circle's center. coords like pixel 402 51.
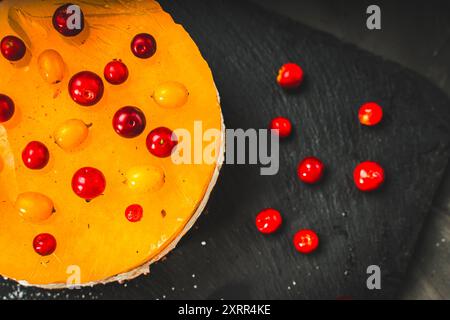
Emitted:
pixel 71 134
pixel 144 179
pixel 2 165
pixel 34 207
pixel 51 66
pixel 171 94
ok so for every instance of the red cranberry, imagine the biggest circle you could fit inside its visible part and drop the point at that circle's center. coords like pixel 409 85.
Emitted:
pixel 13 48
pixel 129 122
pixel 143 45
pixel 283 126
pixel 370 114
pixel 368 176
pixel 44 244
pixel 88 183
pixel 61 21
pixel 161 142
pixel 310 170
pixel 134 213
pixel 7 108
pixel 116 72
pixel 35 156
pixel 306 241
pixel 290 76
pixel 268 221
pixel 86 88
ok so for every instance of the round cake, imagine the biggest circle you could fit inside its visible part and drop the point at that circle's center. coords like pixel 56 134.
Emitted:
pixel 106 109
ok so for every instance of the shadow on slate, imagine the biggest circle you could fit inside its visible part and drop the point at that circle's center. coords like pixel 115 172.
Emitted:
pixel 245 46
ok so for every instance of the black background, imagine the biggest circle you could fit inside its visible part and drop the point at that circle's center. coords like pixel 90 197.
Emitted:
pixel 416 34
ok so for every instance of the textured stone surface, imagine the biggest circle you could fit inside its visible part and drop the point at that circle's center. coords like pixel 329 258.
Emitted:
pixel 418 38
pixel 245 46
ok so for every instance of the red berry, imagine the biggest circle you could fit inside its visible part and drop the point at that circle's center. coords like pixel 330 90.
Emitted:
pixel 134 213
pixel 88 183
pixel 268 221
pixel 13 48
pixel 35 156
pixel 306 241
pixel 7 108
pixel 370 114
pixel 116 72
pixel 283 126
pixel 290 76
pixel 368 176
pixel 62 17
pixel 86 88
pixel 129 122
pixel 143 45
pixel 44 244
pixel 310 170
pixel 161 141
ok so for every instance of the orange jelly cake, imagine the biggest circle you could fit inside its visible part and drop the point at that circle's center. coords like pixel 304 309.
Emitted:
pixel 98 101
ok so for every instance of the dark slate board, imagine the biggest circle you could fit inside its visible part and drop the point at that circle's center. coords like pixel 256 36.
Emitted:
pixel 245 46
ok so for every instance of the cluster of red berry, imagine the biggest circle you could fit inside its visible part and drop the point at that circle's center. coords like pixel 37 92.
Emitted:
pixel 86 89
pixel 367 175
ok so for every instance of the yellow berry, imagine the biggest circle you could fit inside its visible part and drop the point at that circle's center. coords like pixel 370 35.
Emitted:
pixel 143 179
pixel 34 207
pixel 51 66
pixel 71 134
pixel 171 94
